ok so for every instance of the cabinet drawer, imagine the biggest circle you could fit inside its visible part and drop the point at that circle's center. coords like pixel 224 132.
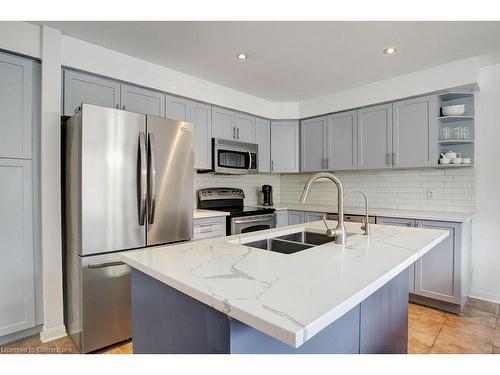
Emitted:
pixel 207 228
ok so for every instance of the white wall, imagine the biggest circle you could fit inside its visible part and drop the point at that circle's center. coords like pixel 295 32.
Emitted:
pixel 456 74
pixel 50 173
pixel 21 37
pixel 89 57
pixel 399 189
pixel 485 239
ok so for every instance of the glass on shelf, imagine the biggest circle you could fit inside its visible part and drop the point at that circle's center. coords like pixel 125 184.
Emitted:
pixel 445 133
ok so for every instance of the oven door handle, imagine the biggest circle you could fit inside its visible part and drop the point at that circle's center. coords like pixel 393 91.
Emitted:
pixel 245 221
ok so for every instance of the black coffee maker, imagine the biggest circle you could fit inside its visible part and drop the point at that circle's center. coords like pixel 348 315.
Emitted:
pixel 267 193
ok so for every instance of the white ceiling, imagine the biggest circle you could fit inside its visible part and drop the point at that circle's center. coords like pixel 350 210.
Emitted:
pixel 291 61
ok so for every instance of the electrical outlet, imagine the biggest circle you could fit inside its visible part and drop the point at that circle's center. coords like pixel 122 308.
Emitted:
pixel 430 194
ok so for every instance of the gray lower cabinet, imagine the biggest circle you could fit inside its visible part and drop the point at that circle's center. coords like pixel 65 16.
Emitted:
pixel 296 217
pixel 401 223
pixel 82 87
pixel 281 218
pixel 414 132
pixel 141 100
pixel 263 140
pixel 201 117
pixel 437 273
pixel 342 145
pixel 17 280
pixel 313 216
pixel 284 146
pixel 16 78
pixel 210 227
pixel 178 108
pixel 375 137
pixel 313 144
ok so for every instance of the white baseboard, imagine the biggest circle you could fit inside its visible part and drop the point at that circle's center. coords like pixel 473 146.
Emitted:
pixel 54 333
pixel 485 296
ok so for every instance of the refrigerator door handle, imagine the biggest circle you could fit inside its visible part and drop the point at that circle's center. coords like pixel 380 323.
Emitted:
pixel 142 180
pixel 152 177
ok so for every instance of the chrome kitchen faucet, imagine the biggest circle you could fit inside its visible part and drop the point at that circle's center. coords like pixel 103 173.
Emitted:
pixel 339 232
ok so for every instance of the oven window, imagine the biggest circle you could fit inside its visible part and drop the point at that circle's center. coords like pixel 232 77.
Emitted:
pixel 255 228
pixel 232 159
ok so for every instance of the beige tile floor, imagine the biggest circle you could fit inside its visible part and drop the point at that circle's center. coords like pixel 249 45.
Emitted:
pixel 429 331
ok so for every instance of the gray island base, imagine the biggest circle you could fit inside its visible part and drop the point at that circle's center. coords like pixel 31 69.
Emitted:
pixel 167 321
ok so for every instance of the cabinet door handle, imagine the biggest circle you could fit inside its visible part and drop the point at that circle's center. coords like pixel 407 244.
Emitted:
pixel 234 132
pixel 388 159
pixel 123 107
pixel 238 133
pixel 117 106
pixel 395 158
pixel 272 165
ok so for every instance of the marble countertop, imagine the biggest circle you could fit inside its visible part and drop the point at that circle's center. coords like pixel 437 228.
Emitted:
pixel 201 214
pixel 458 217
pixel 289 297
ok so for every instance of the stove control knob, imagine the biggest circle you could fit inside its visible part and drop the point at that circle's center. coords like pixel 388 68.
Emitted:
pixel 204 194
pixel 209 193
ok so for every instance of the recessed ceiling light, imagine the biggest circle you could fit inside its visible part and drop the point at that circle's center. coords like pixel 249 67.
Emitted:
pixel 389 51
pixel 242 56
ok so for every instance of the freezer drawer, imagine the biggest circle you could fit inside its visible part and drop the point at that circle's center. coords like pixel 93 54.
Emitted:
pixel 99 302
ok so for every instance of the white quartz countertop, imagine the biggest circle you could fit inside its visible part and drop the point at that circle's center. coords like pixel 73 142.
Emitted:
pixel 458 217
pixel 201 214
pixel 289 297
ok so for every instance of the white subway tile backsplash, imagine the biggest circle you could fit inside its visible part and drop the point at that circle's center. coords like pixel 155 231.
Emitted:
pixel 404 189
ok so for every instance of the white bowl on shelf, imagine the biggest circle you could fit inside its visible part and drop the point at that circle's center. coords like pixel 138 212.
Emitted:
pixel 453 110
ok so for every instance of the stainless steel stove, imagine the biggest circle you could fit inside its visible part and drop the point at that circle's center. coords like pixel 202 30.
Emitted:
pixel 242 219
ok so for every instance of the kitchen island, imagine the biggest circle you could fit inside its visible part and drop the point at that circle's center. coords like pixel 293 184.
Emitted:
pixel 224 295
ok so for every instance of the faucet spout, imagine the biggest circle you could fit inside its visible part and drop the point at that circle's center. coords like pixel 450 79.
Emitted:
pixel 339 232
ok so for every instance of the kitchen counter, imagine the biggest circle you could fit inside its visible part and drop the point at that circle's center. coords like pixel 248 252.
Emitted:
pixel 457 217
pixel 202 214
pixel 292 297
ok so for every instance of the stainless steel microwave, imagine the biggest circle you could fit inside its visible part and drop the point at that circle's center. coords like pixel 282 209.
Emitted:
pixel 230 157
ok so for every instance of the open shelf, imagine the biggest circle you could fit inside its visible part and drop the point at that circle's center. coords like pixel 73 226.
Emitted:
pixel 455 165
pixel 444 119
pixel 453 95
pixel 456 141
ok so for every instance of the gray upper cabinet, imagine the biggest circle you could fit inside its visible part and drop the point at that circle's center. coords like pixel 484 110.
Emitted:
pixel 245 128
pixel 313 216
pixel 141 100
pixel 17 302
pixel 437 273
pixel 313 144
pixel 375 137
pixel 263 140
pixel 284 146
pixel 223 123
pixel 16 79
pixel 86 88
pixel 201 117
pixel 342 136
pixel 178 108
pixel 414 135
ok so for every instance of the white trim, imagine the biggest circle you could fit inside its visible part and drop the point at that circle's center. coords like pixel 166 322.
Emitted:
pixel 485 296
pixel 53 333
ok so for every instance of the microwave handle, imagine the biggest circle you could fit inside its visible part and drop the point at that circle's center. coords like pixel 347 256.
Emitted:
pixel 249 161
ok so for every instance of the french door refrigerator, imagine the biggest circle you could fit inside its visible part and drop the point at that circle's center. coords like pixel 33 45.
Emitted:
pixel 128 185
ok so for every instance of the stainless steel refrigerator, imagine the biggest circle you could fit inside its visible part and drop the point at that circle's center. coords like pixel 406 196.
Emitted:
pixel 128 185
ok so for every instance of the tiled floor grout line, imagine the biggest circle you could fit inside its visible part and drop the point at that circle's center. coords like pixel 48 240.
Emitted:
pixel 439 331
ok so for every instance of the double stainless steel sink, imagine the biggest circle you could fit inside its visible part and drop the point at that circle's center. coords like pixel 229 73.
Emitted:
pixel 293 242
